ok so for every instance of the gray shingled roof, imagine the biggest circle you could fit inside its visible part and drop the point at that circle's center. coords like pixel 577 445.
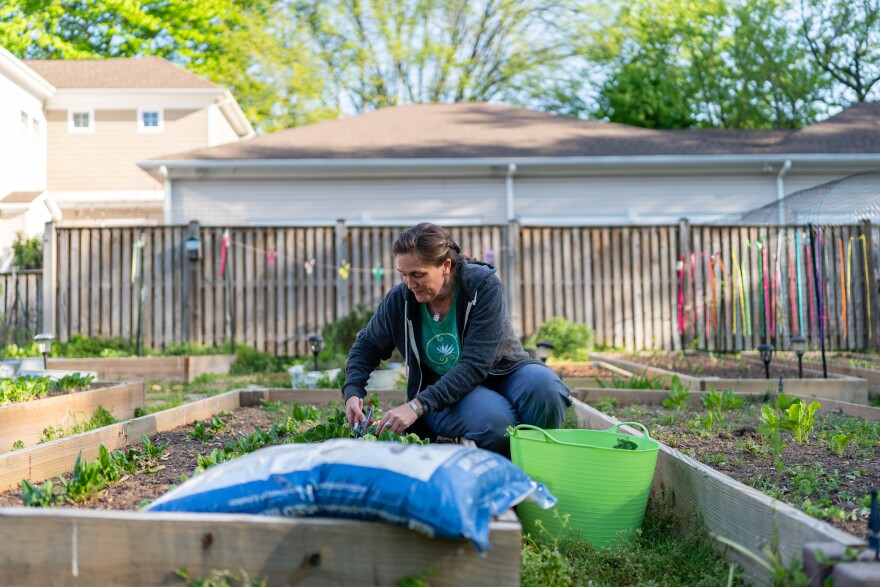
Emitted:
pixel 487 130
pixel 120 73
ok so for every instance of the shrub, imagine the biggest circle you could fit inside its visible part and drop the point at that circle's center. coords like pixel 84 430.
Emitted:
pixel 572 341
pixel 80 347
pixel 27 252
pixel 249 360
pixel 339 336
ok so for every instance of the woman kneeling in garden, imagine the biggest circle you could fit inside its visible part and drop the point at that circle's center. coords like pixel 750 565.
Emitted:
pixel 468 375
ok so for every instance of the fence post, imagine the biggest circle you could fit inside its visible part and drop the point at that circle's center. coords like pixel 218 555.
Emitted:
pixel 342 294
pixel 684 248
pixel 871 283
pixel 49 269
pixel 512 276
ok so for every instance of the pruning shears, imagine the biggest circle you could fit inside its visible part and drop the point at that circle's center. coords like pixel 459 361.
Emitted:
pixel 361 427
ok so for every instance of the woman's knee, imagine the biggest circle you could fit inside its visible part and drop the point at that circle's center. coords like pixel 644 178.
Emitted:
pixel 542 397
pixel 490 432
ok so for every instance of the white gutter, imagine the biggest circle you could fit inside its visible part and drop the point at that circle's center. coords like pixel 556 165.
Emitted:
pixel 166 202
pixel 235 116
pixel 16 70
pixel 511 210
pixel 520 162
pixel 780 189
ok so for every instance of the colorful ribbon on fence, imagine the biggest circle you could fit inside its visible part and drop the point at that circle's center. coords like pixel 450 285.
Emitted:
pixel 842 283
pixel 811 303
pixel 680 268
pixel 868 284
pixel 138 245
pixel 712 280
pixel 224 251
pixel 800 293
pixel 694 285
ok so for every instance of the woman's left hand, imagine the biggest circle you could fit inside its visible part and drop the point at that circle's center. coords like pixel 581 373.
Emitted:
pixel 397 420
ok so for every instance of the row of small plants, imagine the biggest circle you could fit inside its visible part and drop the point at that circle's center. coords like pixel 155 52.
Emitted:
pixel 782 422
pixel 21 389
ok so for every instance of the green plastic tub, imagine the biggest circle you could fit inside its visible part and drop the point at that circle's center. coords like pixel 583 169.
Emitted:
pixel 602 490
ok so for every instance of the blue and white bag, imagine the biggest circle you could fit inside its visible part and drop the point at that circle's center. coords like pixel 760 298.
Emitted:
pixel 439 490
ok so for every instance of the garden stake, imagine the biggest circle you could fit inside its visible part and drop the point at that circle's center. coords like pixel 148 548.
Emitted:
pixel 680 268
pixel 874 526
pixel 763 294
pixel 818 298
pixel 810 299
pixel 694 284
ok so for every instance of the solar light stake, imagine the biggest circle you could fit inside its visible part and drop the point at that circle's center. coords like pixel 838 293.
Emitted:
pixel 874 526
pixel 766 351
pixel 316 343
pixel 44 342
pixel 799 345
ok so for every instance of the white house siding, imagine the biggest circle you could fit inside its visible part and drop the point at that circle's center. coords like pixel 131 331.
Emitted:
pixel 220 131
pixel 22 151
pixel 105 160
pixel 647 199
pixel 373 201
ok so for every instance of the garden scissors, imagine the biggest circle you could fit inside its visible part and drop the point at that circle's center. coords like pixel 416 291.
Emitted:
pixel 361 427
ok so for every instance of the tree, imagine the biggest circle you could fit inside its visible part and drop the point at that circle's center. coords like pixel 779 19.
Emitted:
pixel 378 53
pixel 228 41
pixel 843 37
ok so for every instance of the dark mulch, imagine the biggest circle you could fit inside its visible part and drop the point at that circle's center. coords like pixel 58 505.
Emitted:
pixel 810 471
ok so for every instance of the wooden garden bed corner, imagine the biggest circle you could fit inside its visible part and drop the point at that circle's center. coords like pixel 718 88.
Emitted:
pixel 727 507
pixel 25 421
pixel 91 547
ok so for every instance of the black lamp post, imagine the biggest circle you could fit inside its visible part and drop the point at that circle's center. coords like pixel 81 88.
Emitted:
pixel 766 351
pixel 316 343
pixel 799 345
pixel 874 526
pixel 44 342
pixel 545 347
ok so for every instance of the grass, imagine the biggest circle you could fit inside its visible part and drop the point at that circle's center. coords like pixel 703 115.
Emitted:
pixel 656 556
pixel 164 395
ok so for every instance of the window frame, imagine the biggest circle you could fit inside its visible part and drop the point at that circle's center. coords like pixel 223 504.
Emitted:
pixel 72 128
pixel 160 127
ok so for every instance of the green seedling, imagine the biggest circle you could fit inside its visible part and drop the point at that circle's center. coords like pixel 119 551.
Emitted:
pixel 300 413
pixel 719 403
pixel 86 480
pixel 38 497
pixel 217 456
pixel 607 405
pixel 838 443
pixel 200 432
pixel 801 420
pixel 217 425
pixel 18 445
pixel 678 395
pixel 74 381
pixel 624 444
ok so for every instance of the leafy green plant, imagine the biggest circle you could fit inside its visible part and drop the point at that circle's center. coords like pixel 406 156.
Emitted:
pixel 339 336
pixel 38 497
pixel 838 443
pixel 27 252
pixel 86 480
pixel 221 578
pixel 200 432
pixel 617 381
pixel 801 420
pixel 74 381
pixel 18 445
pixel 606 404
pixel 572 341
pixel 678 395
pixel 719 403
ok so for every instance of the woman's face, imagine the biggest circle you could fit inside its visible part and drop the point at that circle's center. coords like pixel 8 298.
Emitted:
pixel 425 281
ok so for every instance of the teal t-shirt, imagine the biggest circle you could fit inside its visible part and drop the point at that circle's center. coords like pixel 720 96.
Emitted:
pixel 440 344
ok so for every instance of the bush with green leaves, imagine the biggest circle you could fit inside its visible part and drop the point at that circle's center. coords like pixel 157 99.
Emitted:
pixel 249 360
pixel 27 252
pixel 572 341
pixel 339 336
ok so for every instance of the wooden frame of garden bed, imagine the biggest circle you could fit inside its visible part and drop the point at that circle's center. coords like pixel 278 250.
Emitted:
pixel 725 506
pixel 837 387
pixel 872 376
pixel 88 547
pixel 26 421
pixel 175 368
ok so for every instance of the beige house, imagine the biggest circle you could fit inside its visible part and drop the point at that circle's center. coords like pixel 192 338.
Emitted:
pixel 73 130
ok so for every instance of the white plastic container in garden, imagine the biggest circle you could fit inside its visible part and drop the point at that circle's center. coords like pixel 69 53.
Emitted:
pixel 302 379
pixel 385 378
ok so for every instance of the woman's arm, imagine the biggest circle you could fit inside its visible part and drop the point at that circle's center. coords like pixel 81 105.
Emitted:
pixel 372 345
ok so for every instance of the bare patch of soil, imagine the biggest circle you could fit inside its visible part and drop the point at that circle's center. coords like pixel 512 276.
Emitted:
pixel 579 369
pixel 833 484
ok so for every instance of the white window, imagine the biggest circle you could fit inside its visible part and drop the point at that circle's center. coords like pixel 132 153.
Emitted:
pixel 35 130
pixel 81 121
pixel 24 123
pixel 151 120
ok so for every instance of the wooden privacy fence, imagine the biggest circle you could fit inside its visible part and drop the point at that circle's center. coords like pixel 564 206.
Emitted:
pixel 721 288
pixel 21 306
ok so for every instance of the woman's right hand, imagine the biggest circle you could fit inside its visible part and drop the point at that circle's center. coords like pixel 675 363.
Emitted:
pixel 354 410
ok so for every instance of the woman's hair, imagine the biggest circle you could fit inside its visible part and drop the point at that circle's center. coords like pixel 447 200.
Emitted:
pixel 430 244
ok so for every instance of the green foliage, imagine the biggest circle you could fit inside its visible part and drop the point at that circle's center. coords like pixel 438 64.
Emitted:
pixel 38 497
pixel 86 480
pixel 572 341
pixel 678 395
pixel 81 347
pixel 606 404
pixel 718 404
pixel 543 564
pixel 801 419
pixel 21 389
pixel 339 336
pixel 100 418
pixel 13 351
pixel 191 349
pixel 27 252
pixel 248 360
pixel 218 578
pixel 618 381
pixel 74 381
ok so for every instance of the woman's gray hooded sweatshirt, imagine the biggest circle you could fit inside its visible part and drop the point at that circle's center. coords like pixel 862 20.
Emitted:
pixel 488 344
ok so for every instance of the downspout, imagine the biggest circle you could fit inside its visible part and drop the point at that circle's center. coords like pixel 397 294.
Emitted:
pixel 166 201
pixel 511 210
pixel 780 189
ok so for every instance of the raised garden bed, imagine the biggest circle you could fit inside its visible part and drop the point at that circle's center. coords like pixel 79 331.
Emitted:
pixel 702 372
pixel 24 422
pixel 95 547
pixel 727 507
pixel 850 364
pixel 182 368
